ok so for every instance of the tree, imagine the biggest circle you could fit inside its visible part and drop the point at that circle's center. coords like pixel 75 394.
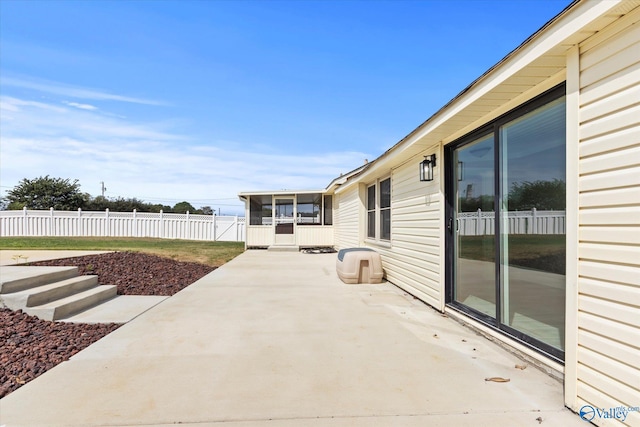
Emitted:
pixel 120 204
pixel 472 204
pixel 542 195
pixel 160 207
pixel 206 210
pixel 46 192
pixel 183 207
pixel 99 203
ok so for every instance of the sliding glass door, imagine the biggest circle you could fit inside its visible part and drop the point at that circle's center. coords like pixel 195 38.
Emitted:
pixel 532 223
pixel 506 221
pixel 475 240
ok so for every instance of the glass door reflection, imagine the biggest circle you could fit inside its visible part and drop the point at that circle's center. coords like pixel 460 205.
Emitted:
pixel 474 232
pixel 532 228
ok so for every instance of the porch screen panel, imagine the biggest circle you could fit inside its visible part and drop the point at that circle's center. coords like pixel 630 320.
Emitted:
pixel 328 210
pixel 260 210
pixel 308 209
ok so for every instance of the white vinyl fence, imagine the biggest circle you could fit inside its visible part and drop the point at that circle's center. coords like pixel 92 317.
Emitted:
pixel 481 223
pixel 122 224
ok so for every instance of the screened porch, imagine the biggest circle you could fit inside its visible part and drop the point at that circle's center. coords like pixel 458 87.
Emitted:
pixel 289 219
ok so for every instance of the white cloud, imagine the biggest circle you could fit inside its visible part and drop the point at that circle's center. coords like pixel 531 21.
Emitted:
pixel 15 104
pixel 71 91
pixel 146 161
pixel 81 106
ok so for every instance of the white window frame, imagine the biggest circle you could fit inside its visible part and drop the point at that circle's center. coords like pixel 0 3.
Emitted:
pixel 377 213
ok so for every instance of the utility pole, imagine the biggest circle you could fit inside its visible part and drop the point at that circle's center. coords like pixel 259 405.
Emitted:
pixel 103 188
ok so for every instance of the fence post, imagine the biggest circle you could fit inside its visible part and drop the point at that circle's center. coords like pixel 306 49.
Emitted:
pixel 478 226
pixel 213 216
pixel 161 224
pixel 534 218
pixel 106 216
pixel 236 224
pixel 51 233
pixel 135 223
pixel 25 227
pixel 80 227
pixel 188 227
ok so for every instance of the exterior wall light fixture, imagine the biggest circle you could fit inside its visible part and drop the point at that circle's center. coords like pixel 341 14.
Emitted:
pixel 426 168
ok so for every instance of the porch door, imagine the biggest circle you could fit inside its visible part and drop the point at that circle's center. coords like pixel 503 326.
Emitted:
pixel 284 221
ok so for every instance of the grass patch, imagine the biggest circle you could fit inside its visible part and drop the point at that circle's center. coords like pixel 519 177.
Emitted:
pixel 545 252
pixel 210 253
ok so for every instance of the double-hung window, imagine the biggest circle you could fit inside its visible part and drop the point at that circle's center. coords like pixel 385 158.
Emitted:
pixel 379 210
pixel 371 212
pixel 385 210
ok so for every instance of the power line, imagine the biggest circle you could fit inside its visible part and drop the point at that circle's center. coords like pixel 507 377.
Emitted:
pixel 177 198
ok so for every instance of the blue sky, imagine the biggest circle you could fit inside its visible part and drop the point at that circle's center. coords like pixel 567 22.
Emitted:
pixel 168 101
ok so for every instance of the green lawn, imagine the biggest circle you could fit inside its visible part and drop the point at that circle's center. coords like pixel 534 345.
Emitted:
pixel 210 253
pixel 544 252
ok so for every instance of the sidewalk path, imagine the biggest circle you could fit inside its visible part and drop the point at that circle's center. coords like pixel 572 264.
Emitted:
pixel 19 256
pixel 275 339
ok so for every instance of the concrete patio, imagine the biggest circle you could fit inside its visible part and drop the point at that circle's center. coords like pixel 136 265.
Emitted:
pixel 275 339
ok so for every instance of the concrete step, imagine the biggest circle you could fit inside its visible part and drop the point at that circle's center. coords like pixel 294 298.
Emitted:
pixel 76 303
pixel 16 279
pixel 284 248
pixel 47 293
pixel 121 309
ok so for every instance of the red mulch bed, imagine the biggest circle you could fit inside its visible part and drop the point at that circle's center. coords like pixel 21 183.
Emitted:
pixel 31 346
pixel 136 273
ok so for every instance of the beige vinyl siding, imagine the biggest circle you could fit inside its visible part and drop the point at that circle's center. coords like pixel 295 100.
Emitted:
pixel 608 321
pixel 413 260
pixel 259 235
pixel 314 235
pixel 347 220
